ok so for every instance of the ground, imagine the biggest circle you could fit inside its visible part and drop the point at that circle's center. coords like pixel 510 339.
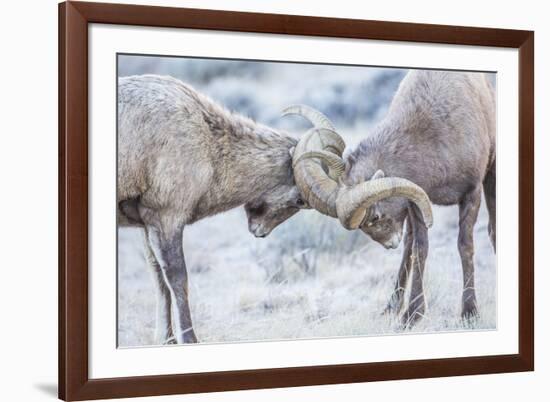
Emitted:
pixel 309 278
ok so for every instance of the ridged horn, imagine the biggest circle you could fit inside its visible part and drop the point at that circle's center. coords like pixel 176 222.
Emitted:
pixel 316 118
pixel 354 202
pixel 319 189
pixel 334 163
pixel 325 193
pixel 331 141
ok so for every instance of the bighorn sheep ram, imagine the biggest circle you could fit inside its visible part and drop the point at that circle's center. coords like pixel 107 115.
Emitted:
pixel 440 134
pixel 181 158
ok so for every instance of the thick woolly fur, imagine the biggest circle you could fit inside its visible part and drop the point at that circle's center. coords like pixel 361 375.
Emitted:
pixel 185 157
pixel 439 133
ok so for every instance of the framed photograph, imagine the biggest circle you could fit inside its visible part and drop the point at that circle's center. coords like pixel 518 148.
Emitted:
pixel 260 200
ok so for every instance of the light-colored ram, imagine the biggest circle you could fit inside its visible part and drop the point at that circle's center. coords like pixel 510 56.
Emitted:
pixel 182 157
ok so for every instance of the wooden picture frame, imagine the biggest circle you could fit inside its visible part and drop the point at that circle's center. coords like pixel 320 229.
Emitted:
pixel 74 381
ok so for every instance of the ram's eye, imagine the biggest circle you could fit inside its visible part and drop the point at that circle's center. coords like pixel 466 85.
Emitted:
pixel 300 202
pixel 374 219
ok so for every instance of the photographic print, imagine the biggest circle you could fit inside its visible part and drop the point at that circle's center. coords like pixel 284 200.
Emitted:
pixel 255 200
pixel 262 200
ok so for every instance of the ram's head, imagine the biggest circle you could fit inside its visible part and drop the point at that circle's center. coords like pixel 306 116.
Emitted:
pixel 319 169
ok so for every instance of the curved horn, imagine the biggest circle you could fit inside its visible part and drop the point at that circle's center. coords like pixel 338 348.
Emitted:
pixel 335 164
pixel 316 118
pixel 331 141
pixel 353 203
pixel 325 193
pixel 319 189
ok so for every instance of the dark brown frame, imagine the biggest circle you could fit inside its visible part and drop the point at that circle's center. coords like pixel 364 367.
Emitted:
pixel 74 17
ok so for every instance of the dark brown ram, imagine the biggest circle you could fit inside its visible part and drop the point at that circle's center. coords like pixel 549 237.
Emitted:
pixel 439 133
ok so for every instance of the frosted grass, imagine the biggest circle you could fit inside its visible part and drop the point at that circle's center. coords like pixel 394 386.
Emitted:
pixel 309 278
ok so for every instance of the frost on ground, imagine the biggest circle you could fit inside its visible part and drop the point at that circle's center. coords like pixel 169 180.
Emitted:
pixel 310 277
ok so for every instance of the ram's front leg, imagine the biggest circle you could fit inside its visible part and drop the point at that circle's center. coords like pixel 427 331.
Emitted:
pixel 396 300
pixel 419 253
pixel 168 250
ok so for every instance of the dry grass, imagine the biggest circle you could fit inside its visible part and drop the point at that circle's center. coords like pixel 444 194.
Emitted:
pixel 309 278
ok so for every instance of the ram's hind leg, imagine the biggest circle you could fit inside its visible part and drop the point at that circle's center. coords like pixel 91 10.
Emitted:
pixel 490 191
pixel 168 249
pixel 468 210
pixel 163 325
pixel 396 300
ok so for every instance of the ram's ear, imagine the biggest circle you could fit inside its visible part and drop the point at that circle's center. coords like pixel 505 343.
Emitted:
pixel 378 175
pixel 291 151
